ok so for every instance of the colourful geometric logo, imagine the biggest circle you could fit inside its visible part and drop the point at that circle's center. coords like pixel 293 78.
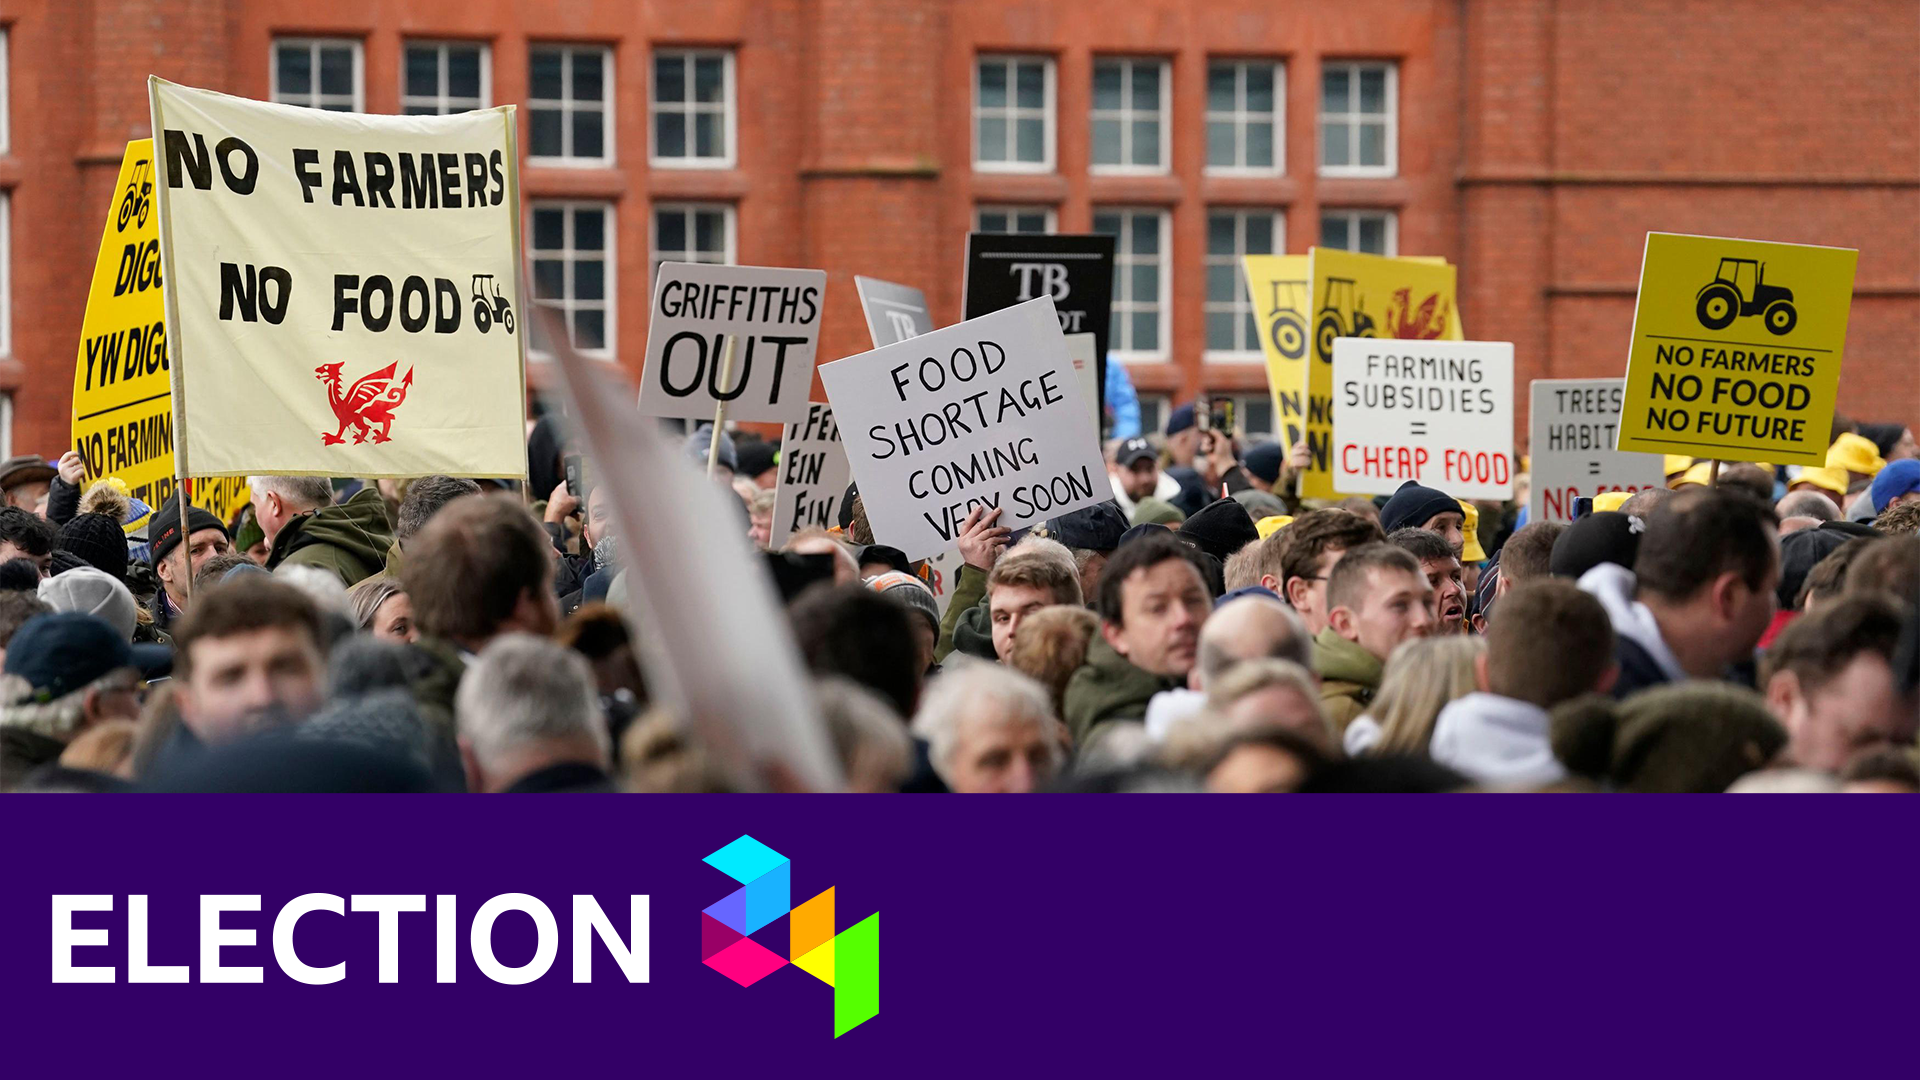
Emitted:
pixel 848 961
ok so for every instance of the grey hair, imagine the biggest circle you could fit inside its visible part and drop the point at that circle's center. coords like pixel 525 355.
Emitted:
pixel 763 501
pixel 867 734
pixel 59 718
pixel 1252 676
pixel 304 492
pixel 323 587
pixel 1806 504
pixel 424 498
pixel 967 691
pixel 367 596
pixel 524 689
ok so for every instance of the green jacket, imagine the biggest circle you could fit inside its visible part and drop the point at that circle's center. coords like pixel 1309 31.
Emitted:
pixel 1349 677
pixel 969 588
pixel 350 538
pixel 434 669
pixel 1109 687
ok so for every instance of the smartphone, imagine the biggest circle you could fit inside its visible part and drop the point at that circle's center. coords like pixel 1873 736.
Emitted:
pixel 1582 506
pixel 572 463
pixel 1221 418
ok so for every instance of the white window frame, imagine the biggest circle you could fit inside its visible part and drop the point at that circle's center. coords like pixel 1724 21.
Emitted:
pixel 314 45
pixel 1011 112
pixel 1354 216
pixel 729 111
pixel 6 423
pixel 1242 119
pixel 1353 118
pixel 1123 261
pixel 1242 303
pixel 567 304
pixel 1126 115
pixel 1051 214
pixel 442 100
pixel 654 254
pixel 6 278
pixel 6 93
pixel 567 104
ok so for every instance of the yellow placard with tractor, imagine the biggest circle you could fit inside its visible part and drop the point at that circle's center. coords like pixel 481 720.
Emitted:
pixel 122 403
pixel 1277 286
pixel 1350 294
pixel 1736 349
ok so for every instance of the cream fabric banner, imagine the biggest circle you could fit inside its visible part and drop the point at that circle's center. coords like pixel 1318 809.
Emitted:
pixel 342 295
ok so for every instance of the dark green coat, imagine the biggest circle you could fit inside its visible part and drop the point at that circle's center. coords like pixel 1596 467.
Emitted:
pixel 351 539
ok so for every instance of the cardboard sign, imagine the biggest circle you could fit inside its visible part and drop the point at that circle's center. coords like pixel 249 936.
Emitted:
pixel 713 637
pixel 1366 296
pixel 814 475
pixel 984 413
pixel 775 314
pixel 1075 272
pixel 342 290
pixel 122 402
pixel 1736 349
pixel 894 312
pixel 1574 423
pixel 1439 412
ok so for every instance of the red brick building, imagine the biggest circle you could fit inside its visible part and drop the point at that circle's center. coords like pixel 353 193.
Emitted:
pixel 1532 142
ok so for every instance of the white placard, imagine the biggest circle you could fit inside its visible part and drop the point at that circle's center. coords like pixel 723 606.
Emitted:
pixel 342 292
pixel 1439 412
pixel 1573 424
pixel 984 413
pixel 774 312
pixel 813 475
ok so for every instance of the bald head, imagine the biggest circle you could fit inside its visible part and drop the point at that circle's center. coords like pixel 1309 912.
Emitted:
pixel 1251 628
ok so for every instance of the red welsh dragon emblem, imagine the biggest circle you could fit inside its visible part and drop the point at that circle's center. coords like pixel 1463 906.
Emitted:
pixel 371 400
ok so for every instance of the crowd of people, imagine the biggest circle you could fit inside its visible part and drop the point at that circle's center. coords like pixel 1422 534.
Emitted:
pixel 1744 628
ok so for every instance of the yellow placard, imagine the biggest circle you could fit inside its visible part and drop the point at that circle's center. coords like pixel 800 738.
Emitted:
pixel 122 404
pixel 1277 285
pixel 1356 295
pixel 1736 349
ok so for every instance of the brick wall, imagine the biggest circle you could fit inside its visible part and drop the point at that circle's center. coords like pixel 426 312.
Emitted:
pixel 1539 141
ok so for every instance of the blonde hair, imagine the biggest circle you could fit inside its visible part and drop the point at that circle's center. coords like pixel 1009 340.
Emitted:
pixel 106 747
pixel 1422 676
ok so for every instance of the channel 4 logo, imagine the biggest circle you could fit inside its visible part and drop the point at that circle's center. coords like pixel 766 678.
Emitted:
pixel 848 961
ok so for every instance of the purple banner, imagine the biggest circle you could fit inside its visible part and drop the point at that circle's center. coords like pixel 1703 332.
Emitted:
pixel 1059 935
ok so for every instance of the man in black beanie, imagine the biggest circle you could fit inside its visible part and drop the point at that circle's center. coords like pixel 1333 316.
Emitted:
pixel 176 563
pixel 1605 536
pixel 1221 528
pixel 1091 533
pixel 1416 507
pixel 98 541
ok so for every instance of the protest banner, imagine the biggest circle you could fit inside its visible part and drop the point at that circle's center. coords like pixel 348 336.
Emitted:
pixel 983 413
pixel 773 312
pixel 713 637
pixel 1736 349
pixel 1351 294
pixel 341 290
pixel 814 475
pixel 1573 423
pixel 1439 412
pixel 894 312
pixel 122 403
pixel 1277 286
pixel 1076 272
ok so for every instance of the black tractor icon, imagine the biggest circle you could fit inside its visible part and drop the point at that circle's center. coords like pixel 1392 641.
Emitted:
pixel 490 307
pixel 1288 331
pixel 1739 288
pixel 137 201
pixel 1340 316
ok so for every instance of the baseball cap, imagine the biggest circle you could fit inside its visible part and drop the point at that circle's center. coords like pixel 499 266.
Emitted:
pixel 59 653
pixel 1133 450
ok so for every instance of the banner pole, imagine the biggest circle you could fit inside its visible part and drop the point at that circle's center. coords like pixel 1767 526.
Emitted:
pixel 180 496
pixel 720 407
pixel 1713 473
